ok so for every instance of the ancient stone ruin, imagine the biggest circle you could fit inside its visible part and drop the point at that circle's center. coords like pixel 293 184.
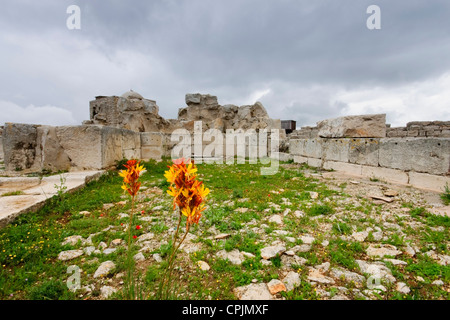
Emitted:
pixel 130 126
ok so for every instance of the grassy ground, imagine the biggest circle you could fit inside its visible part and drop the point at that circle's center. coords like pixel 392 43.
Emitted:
pixel 240 204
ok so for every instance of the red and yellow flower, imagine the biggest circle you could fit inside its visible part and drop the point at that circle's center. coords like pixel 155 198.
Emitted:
pixel 131 176
pixel 189 194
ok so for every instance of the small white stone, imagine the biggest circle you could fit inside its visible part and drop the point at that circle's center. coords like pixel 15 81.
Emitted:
pixel 203 265
pixel 139 257
pixel 106 291
pixel 403 288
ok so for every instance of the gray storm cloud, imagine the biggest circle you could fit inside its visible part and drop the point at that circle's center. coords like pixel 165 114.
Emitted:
pixel 304 60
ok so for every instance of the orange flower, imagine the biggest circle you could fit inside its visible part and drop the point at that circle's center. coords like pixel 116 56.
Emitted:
pixel 131 176
pixel 188 193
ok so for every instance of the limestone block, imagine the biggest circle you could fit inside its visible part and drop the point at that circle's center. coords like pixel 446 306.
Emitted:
pixel 111 144
pixel 131 140
pixel 353 169
pixel 49 152
pixel 363 126
pixel 296 146
pixel 19 146
pixel 335 149
pixel 386 174
pixel 151 152
pixel 300 159
pixel 428 181
pixel 82 144
pixel 313 162
pixel 427 155
pixel 364 151
pixel 151 138
pixel 313 148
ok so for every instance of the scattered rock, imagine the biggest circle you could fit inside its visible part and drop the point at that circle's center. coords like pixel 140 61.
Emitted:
pixel 301 248
pixel 396 262
pixel 276 286
pixel 323 267
pixel 360 236
pixel 438 283
pixel 313 195
pixel 348 276
pixel 69 255
pixel 385 199
pixel 299 214
pixel 390 193
pixel 139 257
pixel 89 250
pixel 158 208
pixel 109 251
pixel 102 245
pixel 307 239
pixel 276 219
pixel 383 250
pixel 72 240
pixel 254 291
pixel 291 280
pixel 403 288
pixel 157 257
pixel 123 215
pixel 234 256
pixel 85 213
pixel 272 251
pixel 241 210
pixel 106 291
pixel 145 237
pixel 248 254
pixel 108 206
pixel 377 270
pixel 222 236
pixel 317 276
pixel 116 242
pixel 104 269
pixel 203 265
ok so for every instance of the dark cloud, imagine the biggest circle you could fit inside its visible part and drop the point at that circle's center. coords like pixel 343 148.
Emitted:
pixel 306 53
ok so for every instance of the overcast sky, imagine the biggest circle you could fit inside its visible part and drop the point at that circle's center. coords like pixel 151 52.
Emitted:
pixel 304 60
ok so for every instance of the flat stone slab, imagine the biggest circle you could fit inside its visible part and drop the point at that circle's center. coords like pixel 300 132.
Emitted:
pixel 36 192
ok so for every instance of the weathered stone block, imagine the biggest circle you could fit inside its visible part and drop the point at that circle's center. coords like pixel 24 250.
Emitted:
pixel 111 144
pixel 364 151
pixel 151 153
pixel 386 174
pixel 300 159
pixel 364 126
pixel 336 149
pixel 428 181
pixel 82 144
pixel 313 162
pixel 353 169
pixel 19 146
pixel 429 155
pixel 50 154
pixel 151 139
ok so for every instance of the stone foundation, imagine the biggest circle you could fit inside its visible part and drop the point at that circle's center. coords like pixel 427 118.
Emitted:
pixel 422 162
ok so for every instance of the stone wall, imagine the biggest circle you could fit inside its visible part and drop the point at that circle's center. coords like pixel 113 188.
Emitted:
pixel 419 161
pixel 33 148
pixel 438 129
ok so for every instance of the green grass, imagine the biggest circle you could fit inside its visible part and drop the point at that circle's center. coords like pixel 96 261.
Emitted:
pixel 12 193
pixel 29 268
pixel 446 195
